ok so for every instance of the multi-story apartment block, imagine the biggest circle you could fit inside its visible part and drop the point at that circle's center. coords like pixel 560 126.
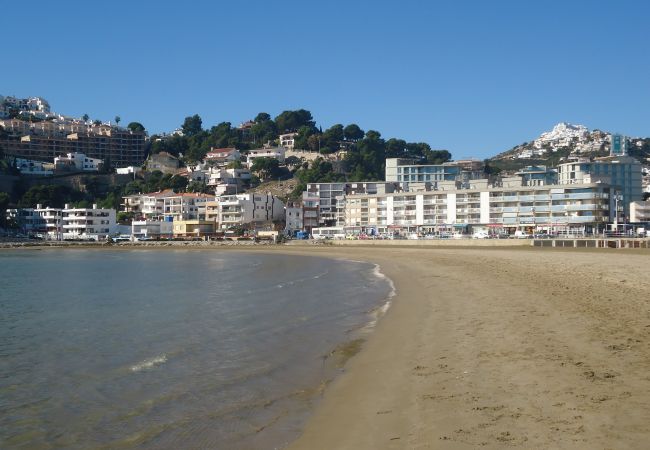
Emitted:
pixel 548 207
pixel 293 218
pixel 245 209
pixel 150 206
pixel 331 198
pixel 185 206
pixel 310 210
pixel 406 171
pixel 88 223
pixel 623 173
pixel 45 140
pixel 43 221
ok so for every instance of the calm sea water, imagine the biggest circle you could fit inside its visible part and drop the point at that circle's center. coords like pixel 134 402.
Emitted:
pixel 170 348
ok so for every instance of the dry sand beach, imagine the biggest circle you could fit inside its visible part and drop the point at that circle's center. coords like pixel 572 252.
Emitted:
pixel 496 348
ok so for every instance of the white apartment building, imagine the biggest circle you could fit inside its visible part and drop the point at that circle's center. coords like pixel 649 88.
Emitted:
pixel 88 223
pixel 331 198
pixel 77 161
pixel 228 181
pixel 529 208
pixel 45 222
pixel 50 223
pixel 272 152
pixel 244 209
pixel 148 206
pixel 186 206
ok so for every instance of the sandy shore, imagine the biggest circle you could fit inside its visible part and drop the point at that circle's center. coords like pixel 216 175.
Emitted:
pixel 525 348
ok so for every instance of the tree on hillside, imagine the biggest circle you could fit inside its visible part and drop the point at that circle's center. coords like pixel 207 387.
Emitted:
pixel 118 119
pixel 437 156
pixel 330 139
pixel 192 125
pixel 262 117
pixel 266 168
pixel 367 162
pixel 301 141
pixel 135 126
pixel 264 129
pixel 352 132
pixel 292 120
pixel 85 117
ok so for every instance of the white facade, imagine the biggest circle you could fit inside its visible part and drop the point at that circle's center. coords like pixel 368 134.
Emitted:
pixel 78 161
pixel 128 170
pixel 88 223
pixel 151 229
pixel 548 207
pixel 640 212
pixel 293 219
pixel 185 206
pixel 222 156
pixel 273 152
pixel 288 140
pixel 243 209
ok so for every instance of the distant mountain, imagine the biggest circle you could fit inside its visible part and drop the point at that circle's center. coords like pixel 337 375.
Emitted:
pixel 565 140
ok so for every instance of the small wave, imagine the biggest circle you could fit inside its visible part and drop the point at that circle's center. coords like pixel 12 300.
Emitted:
pixel 149 363
pixel 379 274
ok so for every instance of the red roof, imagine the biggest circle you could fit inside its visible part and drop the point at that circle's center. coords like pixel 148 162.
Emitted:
pixel 220 151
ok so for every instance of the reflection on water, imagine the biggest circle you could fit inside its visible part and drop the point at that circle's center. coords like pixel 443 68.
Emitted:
pixel 169 348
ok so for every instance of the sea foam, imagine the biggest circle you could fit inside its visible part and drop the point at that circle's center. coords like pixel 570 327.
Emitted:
pixel 149 363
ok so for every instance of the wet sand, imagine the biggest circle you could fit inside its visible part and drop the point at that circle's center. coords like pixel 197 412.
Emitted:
pixel 493 348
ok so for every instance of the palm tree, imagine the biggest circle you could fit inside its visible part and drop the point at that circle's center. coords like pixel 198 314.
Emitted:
pixel 117 119
pixel 85 117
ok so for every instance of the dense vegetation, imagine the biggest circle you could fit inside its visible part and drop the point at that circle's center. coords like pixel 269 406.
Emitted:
pixel 365 151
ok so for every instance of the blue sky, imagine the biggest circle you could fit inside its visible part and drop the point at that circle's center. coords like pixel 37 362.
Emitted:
pixel 473 77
